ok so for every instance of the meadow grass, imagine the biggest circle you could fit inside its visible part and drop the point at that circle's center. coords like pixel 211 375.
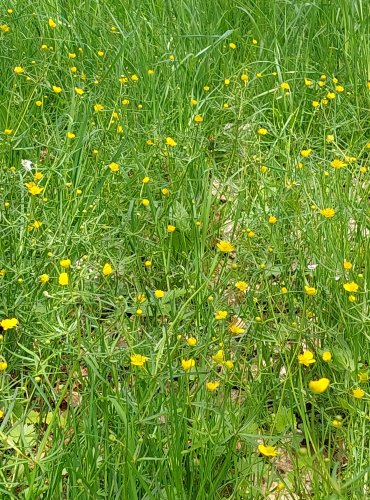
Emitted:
pixel 186 249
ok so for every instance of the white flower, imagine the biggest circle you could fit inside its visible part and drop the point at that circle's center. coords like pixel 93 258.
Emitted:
pixel 312 267
pixel 27 165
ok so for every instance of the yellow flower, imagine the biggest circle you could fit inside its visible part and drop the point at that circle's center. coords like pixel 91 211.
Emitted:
pixel 241 285
pixel 100 53
pixel 187 364
pixel 165 191
pixel 8 324
pixel 171 228
pixel 212 386
pixel 148 263
pixel 283 289
pixel 330 95
pixel 351 287
pixel 329 138
pixel 198 118
pixel 145 180
pixel 171 142
pixel 44 278
pixel 206 89
pixel 227 81
pixel 33 188
pixel 65 263
pixel 306 358
pixel 159 294
pixel 272 219
pixel 285 86
pixel 192 341
pixel 339 88
pixel 221 314
pixel 8 131
pixel 71 135
pixel 79 91
pixel 52 23
pixel 138 359
pixel 328 213
pixel 347 265
pixel 244 77
pixel 358 393
pixel 267 451
pixel 18 70
pixel 4 28
pixel 326 356
pixel 262 131
pixel 338 164
pixel 114 167
pixel 150 72
pixel 254 41
pixel 98 107
pixel 315 104
pixel 38 103
pixel 134 78
pixel 63 279
pixel 306 152
pixel 308 82
pixel 145 202
pixel 125 102
pixel 310 290
pixel 229 364
pixel 38 176
pixel 3 366
pixel 107 269
pixel 235 329
pixel 319 386
pixel 56 89
pixel 232 45
pixel 336 423
pixel 225 246
pixel 218 357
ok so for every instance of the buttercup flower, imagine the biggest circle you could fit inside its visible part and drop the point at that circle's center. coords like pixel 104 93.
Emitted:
pixel 358 393
pixel 272 219
pixel 306 358
pixel 347 265
pixel 225 246
pixel 241 285
pixel 44 278
pixel 306 152
pixel 3 366
pixel 310 290
pixel 337 164
pixel 66 263
pixel 187 364
pixel 351 287
pixel 107 269
pixel 33 188
pixel 218 357
pixel 171 228
pixel 63 279
pixel 170 142
pixel 198 118
pixel 328 213
pixel 159 294
pixel 138 360
pixel 319 386
pixel 18 70
pixel 8 324
pixel 212 386
pixel 221 314
pixel 113 166
pixel 52 23
pixel 236 329
pixel 326 356
pixel 262 131
pixel 267 451
pixel 192 341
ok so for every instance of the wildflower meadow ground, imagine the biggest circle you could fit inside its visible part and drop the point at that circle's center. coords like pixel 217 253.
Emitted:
pixel 184 249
